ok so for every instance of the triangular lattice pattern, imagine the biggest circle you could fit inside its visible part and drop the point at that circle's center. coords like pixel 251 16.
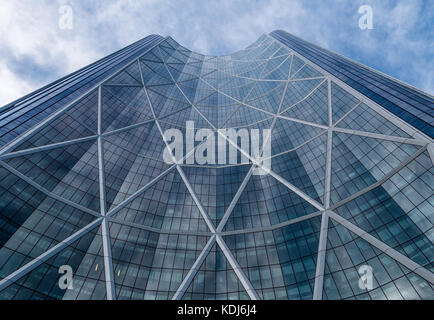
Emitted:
pixel 89 187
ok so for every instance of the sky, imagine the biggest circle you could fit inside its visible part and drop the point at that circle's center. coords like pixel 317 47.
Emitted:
pixel 36 49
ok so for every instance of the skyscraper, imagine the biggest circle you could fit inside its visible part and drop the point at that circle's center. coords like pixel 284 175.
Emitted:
pixel 90 208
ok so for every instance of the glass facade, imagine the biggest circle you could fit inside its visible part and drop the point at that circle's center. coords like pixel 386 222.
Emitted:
pixel 84 183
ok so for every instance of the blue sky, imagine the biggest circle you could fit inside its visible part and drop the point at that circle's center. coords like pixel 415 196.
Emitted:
pixel 34 51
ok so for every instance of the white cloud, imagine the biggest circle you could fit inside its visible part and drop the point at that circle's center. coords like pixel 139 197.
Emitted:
pixel 29 28
pixel 12 86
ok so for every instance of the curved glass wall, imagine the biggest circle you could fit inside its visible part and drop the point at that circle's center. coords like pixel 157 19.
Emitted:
pixel 340 206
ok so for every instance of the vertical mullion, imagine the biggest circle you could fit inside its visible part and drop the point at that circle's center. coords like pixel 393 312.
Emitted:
pixel 322 245
pixel 105 231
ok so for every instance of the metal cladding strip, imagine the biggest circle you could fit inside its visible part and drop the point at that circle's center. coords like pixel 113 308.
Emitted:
pixel 431 151
pixel 13 277
pixel 134 196
pixel 347 114
pixel 254 79
pixel 133 126
pixel 322 245
pixel 12 144
pixel 196 200
pixel 48 193
pixel 303 122
pixel 416 142
pixel 108 261
pixel 320 262
pixel 105 230
pixel 234 201
pixel 46 147
pixel 408 263
pixel 303 79
pixel 214 167
pixel 382 180
pixel 236 267
pixel 329 96
pixel 102 191
pixel 165 116
pixel 298 147
pixel 328 173
pixel 194 269
pixel 161 231
pixel 124 85
pixel 273 227
pixel 300 193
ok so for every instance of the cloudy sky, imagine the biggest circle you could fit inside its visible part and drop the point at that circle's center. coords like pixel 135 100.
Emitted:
pixel 35 51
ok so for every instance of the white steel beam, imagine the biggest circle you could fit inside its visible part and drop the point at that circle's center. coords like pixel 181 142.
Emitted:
pixel 33 264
